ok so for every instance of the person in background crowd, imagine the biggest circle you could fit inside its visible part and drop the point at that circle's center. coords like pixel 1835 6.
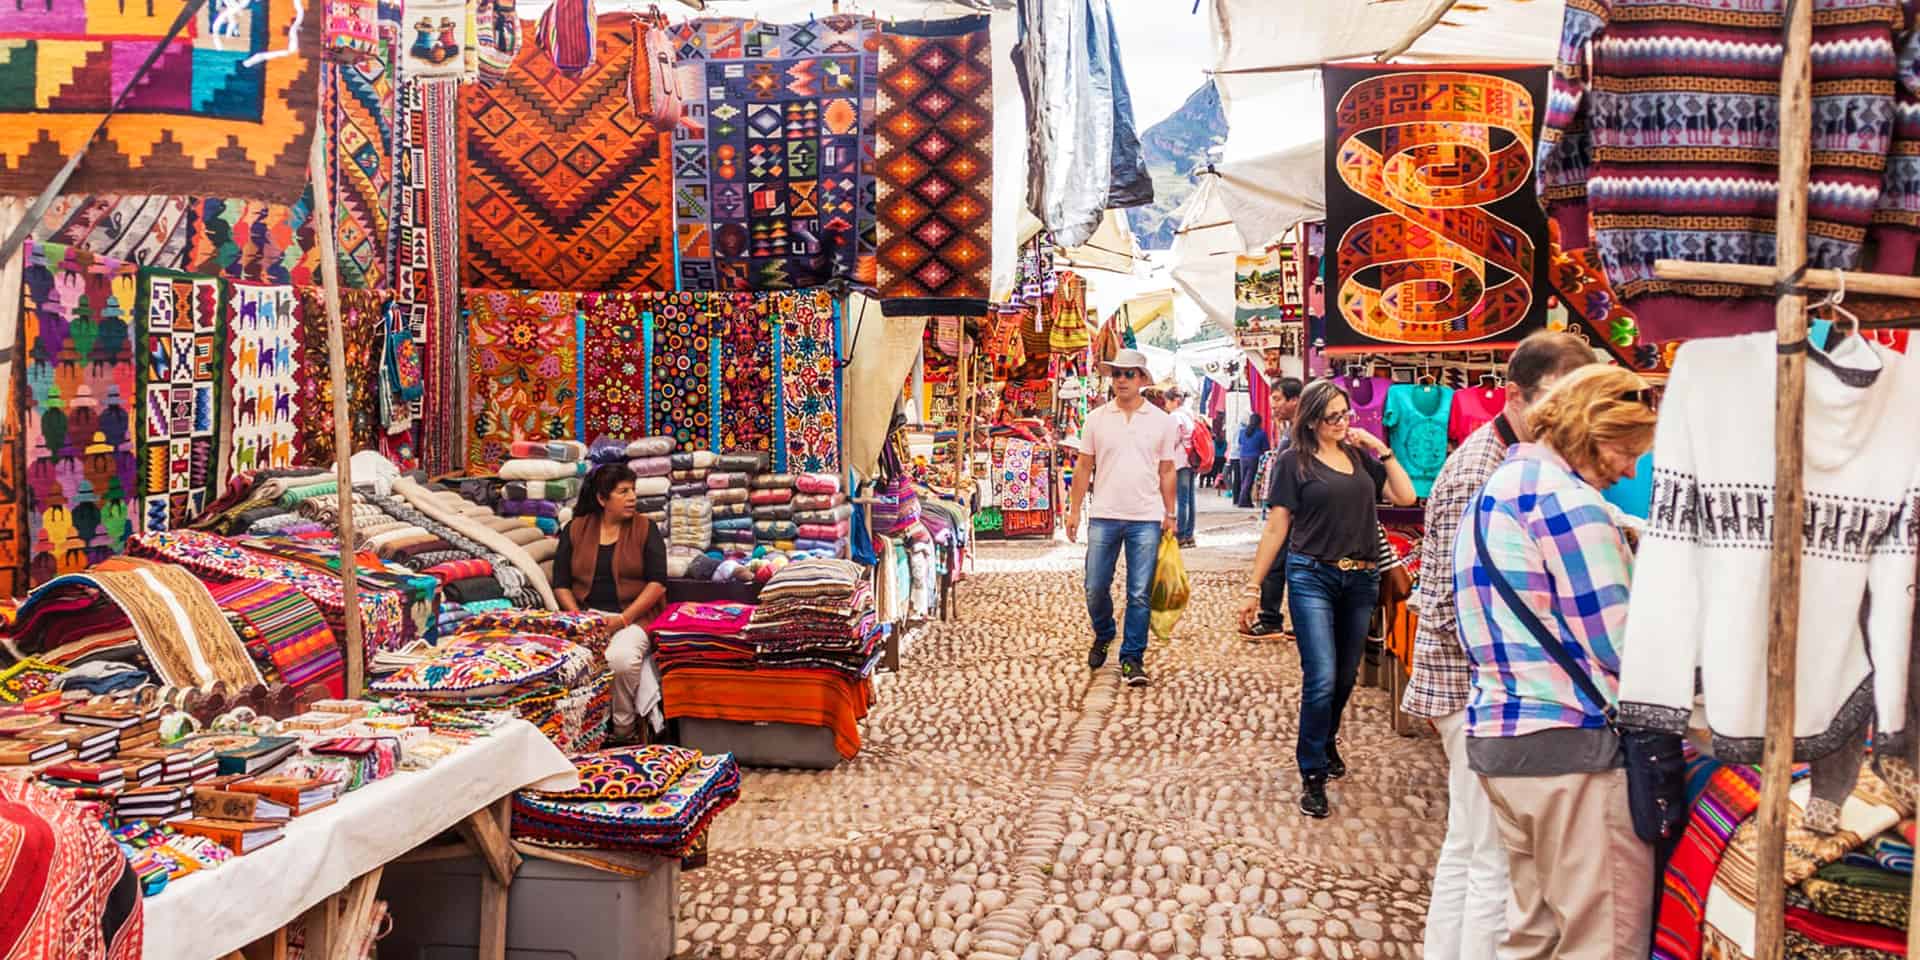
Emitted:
pixel 1220 457
pixel 1253 443
pixel 612 561
pixel 1539 556
pixel 1325 488
pixel 1184 478
pixel 1468 913
pixel 1272 621
pixel 1134 445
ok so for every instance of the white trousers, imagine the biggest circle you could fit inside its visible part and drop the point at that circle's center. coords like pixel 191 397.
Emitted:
pixel 636 682
pixel 1467 917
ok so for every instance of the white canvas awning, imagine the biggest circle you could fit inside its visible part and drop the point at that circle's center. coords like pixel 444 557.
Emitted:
pixel 1204 250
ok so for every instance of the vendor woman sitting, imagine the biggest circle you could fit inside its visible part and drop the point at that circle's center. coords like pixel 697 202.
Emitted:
pixel 612 560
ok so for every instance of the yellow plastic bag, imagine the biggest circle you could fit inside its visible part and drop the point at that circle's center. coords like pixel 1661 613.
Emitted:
pixel 1169 598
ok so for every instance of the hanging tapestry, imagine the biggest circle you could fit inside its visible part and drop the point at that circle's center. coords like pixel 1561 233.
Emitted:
pixel 810 385
pixel 773 158
pixel 359 105
pixel 254 241
pixel 615 355
pixel 1436 238
pixel 746 328
pixel 523 358
pixel 683 371
pixel 181 370
pixel 152 231
pixel 565 187
pixel 496 38
pixel 426 275
pixel 227 110
pixel 353 30
pixel 433 35
pixel 1024 481
pixel 263 350
pixel 13 542
pixel 363 316
pixel 936 167
pixel 76 315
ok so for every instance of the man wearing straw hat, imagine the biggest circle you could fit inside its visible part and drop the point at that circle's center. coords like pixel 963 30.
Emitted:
pixel 1135 446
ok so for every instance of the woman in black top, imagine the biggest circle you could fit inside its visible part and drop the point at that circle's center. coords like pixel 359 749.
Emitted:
pixel 612 560
pixel 1325 487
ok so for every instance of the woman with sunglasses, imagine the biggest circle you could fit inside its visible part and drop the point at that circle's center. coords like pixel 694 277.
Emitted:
pixel 1323 497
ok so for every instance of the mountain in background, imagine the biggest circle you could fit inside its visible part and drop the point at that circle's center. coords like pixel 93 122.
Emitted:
pixel 1174 148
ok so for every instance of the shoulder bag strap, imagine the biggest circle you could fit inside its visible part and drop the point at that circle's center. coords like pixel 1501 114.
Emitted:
pixel 1548 642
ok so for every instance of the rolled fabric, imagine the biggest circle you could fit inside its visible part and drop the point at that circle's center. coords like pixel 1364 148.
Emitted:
pixel 817 501
pixel 566 451
pixel 607 450
pixel 729 495
pixel 650 447
pixel 724 481
pixel 732 510
pixel 702 567
pixel 817 483
pixel 732 523
pixel 461 569
pixel 775 530
pixel 704 459
pixel 681 462
pixel 543 549
pixel 828 548
pixel 683 476
pixel 785 546
pixel 774 511
pixel 473 590
pixel 736 461
pixel 529 508
pixel 836 515
pixel 527 469
pixel 691 489
pixel 555 490
pixel 822 531
pixel 651 487
pixel 698 508
pixel 651 504
pixel 528 450
pixel 524 534
pixel 651 466
pixel 772 481
pixel 784 495
pixel 549 526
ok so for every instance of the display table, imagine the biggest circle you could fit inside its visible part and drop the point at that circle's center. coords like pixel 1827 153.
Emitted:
pixel 211 914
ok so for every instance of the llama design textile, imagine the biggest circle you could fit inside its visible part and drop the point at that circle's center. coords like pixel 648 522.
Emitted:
pixel 683 387
pixel 614 353
pixel 523 356
pixel 1425 256
pixel 566 187
pixel 935 163
pixel 363 322
pixel 264 358
pixel 360 104
pixel 746 328
pixel 810 385
pixel 153 231
pixel 76 316
pixel 181 372
pixel 228 109
pixel 772 161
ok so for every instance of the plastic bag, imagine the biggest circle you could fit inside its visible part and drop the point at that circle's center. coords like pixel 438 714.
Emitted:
pixel 1169 598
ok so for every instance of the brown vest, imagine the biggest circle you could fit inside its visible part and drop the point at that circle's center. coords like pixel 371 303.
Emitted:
pixel 629 558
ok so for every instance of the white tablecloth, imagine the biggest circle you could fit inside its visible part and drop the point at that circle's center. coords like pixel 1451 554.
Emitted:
pixel 209 914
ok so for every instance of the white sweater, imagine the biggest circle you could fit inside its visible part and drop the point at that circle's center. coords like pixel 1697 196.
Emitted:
pixel 1700 583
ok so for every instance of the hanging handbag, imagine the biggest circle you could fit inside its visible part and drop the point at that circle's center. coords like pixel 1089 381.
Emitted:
pixel 897 504
pixel 1656 762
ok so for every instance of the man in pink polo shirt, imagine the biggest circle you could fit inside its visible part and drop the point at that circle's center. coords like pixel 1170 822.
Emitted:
pixel 1135 446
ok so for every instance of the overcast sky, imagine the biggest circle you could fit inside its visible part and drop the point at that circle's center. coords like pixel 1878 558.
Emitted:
pixel 1164 48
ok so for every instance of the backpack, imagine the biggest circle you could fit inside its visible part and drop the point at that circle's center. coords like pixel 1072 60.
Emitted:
pixel 1202 457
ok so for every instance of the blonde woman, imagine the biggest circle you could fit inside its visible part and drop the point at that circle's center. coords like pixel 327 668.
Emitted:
pixel 1542 576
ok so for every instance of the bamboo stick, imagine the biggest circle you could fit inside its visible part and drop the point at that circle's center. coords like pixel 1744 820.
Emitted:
pixel 342 416
pixel 1789 445
pixel 1878 284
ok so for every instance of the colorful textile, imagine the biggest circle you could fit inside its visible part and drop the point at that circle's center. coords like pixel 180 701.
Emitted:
pixel 153 231
pixel 255 241
pixel 626 773
pixel 209 119
pixel 353 31
pixel 263 354
pixel 1024 482
pixel 1861 904
pixel 76 315
pixel 433 39
pixel 523 358
pixel 746 328
pixel 813 697
pixel 363 315
pixel 181 383
pixel 615 355
pixel 479 665
pixel 179 627
pixel 668 825
pixel 70 893
pixel 1731 796
pixel 935 167
pixel 28 679
pixel 360 104
pixel 1420 260
pixel 773 184
pixel 284 630
pixel 427 258
pixel 683 372
pixel 809 384
pixel 564 187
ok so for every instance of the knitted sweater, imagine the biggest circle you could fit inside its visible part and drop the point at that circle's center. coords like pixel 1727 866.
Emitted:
pixel 1662 123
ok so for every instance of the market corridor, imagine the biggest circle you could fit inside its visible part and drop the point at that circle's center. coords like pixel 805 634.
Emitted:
pixel 1004 805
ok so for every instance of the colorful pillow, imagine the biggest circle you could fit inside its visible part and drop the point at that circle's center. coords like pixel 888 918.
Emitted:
pixel 627 773
pixel 484 663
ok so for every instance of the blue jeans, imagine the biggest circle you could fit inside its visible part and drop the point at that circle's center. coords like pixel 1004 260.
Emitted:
pixel 1183 481
pixel 1331 608
pixel 1105 540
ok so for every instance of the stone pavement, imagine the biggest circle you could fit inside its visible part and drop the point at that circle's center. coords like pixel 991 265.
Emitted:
pixel 1007 803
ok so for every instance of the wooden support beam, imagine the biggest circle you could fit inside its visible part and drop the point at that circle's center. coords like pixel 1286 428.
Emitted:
pixel 493 918
pixel 354 921
pixel 485 832
pixel 1878 284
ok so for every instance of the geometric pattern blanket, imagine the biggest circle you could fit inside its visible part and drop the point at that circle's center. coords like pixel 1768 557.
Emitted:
pixel 182 374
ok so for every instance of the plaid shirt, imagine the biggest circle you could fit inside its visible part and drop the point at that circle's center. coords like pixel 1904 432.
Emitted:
pixel 1551 536
pixel 1442 678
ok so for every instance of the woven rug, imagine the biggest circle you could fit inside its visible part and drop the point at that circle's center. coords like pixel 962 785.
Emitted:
pixel 286 631
pixel 439 409
pixel 772 162
pixel 204 123
pixel 76 316
pixel 615 356
pixel 181 383
pixel 153 231
pixel 747 328
pixel 935 167
pixel 682 384
pixel 362 318
pixel 809 385
pixel 180 628
pixel 565 187
pixel 360 105
pixel 264 354
pixel 523 355
pixel 254 241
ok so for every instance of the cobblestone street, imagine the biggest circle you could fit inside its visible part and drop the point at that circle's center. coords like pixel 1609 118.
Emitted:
pixel 1008 803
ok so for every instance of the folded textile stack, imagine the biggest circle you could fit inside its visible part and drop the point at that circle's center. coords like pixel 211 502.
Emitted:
pixel 728 486
pixel 650 459
pixel 818 614
pixel 690 522
pixel 771 497
pixel 607 450
pixel 688 475
pixel 542 480
pixel 553 683
pixel 702 634
pixel 655 799
pixel 821 515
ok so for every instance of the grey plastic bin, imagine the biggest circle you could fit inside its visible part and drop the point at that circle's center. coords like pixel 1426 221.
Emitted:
pixel 556 911
pixel 763 744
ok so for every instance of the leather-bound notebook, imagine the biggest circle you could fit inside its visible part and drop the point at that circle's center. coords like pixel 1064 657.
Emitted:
pixel 240 836
pixel 301 795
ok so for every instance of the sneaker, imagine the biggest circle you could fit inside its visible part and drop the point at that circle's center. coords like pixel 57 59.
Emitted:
pixel 1097 657
pixel 1133 675
pixel 1187 543
pixel 1313 800
pixel 1336 767
pixel 1262 631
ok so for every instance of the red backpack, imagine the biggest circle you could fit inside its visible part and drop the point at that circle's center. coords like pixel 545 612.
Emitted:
pixel 1201 459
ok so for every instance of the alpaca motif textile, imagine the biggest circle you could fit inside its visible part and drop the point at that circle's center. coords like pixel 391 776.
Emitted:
pixel 683 369
pixel 935 164
pixel 1432 225
pixel 772 161
pixel 614 354
pixel 69 890
pixel 809 385
pixel 264 358
pixel 746 328
pixel 76 315
pixel 255 241
pixel 153 231
pixel 565 187
pixel 181 374
pixel 523 357
pixel 227 110
pixel 363 315
pixel 360 106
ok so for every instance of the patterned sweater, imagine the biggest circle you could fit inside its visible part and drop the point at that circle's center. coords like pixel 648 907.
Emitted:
pixel 1663 125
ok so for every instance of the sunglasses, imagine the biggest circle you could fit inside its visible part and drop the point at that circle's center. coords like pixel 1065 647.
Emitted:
pixel 1341 417
pixel 1127 373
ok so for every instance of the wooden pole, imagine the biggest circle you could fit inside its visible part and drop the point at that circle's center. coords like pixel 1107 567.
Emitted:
pixel 1877 284
pixel 1789 447
pixel 342 416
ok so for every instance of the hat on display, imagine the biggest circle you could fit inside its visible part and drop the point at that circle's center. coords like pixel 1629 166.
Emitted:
pixel 1127 360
